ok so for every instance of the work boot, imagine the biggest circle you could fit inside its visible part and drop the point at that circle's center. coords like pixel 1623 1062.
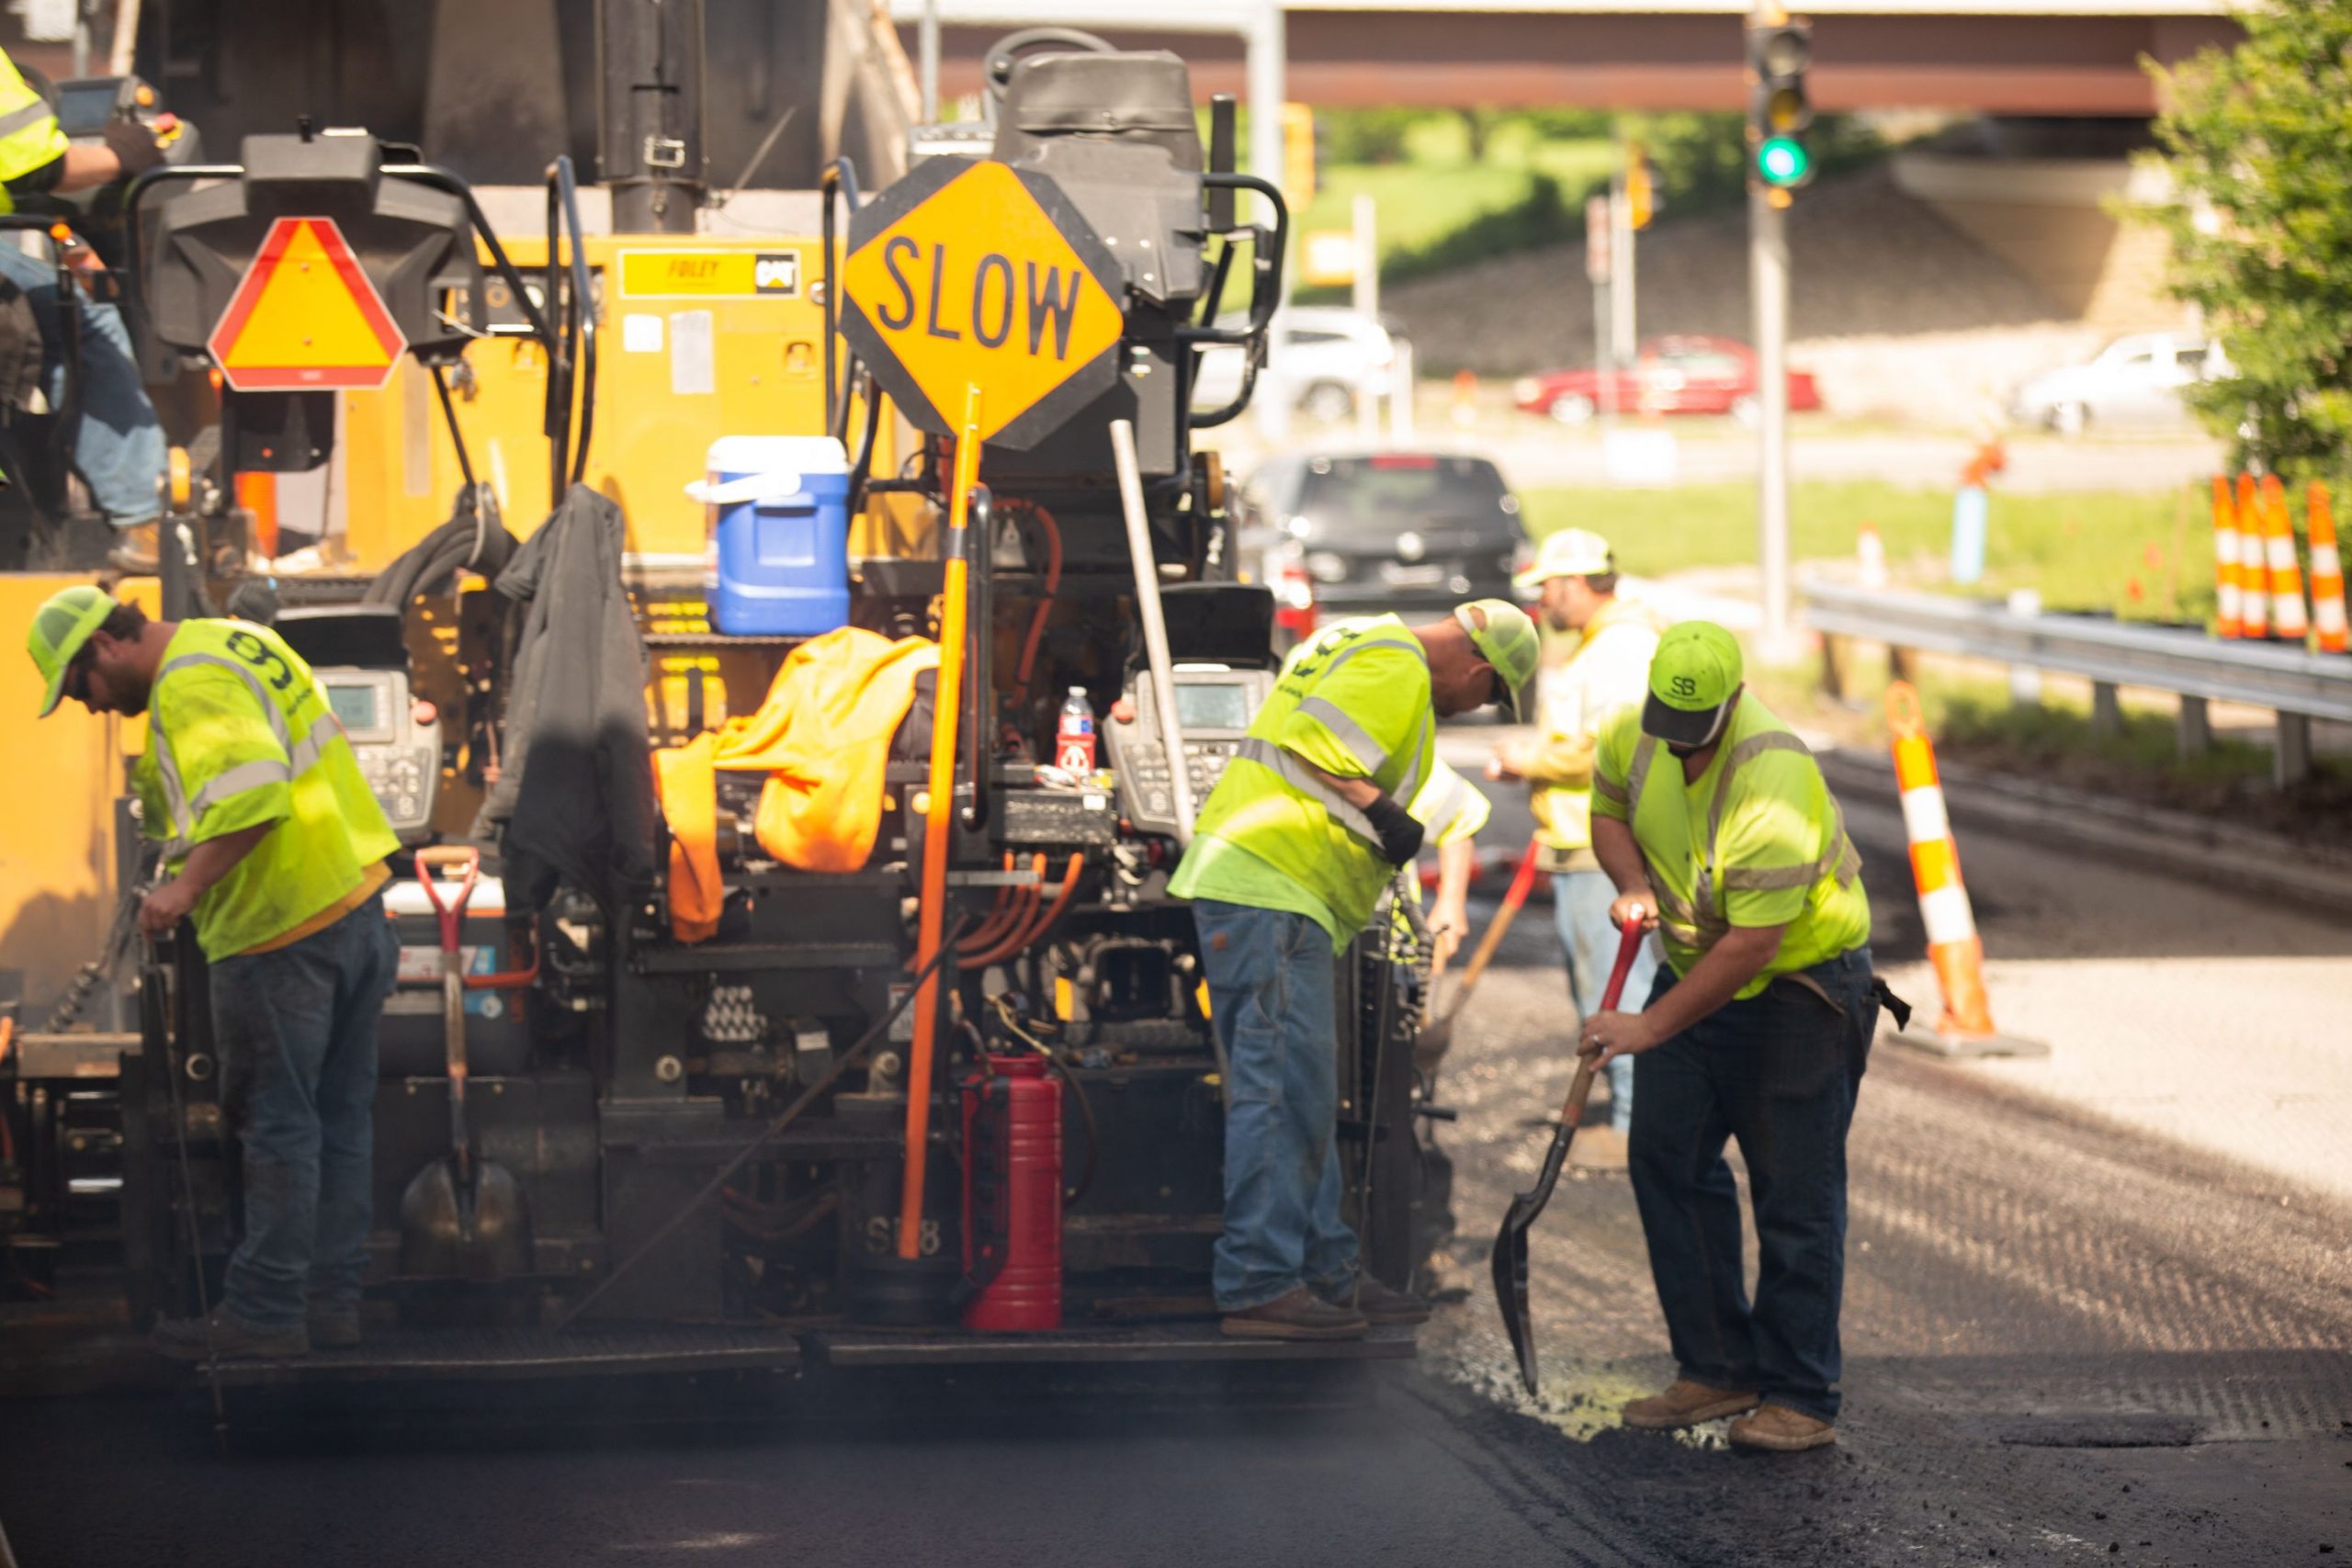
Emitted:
pixel 1299 1313
pixel 1598 1149
pixel 1378 1303
pixel 136 551
pixel 1686 1404
pixel 335 1326
pixel 1781 1429
pixel 229 1339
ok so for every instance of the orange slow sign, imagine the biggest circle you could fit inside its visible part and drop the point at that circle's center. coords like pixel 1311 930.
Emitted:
pixel 976 273
pixel 305 317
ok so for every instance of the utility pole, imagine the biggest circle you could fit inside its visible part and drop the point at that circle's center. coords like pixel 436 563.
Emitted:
pixel 1622 329
pixel 1365 243
pixel 1600 250
pixel 927 55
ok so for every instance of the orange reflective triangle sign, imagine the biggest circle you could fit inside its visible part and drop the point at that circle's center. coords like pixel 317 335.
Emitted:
pixel 305 317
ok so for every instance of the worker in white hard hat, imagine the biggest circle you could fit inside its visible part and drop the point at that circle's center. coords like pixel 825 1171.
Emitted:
pixel 1608 670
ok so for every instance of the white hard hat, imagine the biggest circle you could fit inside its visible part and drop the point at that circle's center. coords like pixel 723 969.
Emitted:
pixel 1571 552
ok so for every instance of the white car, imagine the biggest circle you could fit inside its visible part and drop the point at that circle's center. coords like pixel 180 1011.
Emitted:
pixel 1328 355
pixel 2133 380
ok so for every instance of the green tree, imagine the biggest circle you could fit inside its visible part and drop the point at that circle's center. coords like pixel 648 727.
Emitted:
pixel 2258 142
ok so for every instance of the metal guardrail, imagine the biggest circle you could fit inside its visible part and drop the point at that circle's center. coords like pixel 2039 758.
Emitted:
pixel 2115 652
pixel 2297 685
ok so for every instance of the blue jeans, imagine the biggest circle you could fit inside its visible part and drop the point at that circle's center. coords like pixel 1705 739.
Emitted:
pixel 1580 901
pixel 1273 980
pixel 118 447
pixel 297 1035
pixel 1779 1073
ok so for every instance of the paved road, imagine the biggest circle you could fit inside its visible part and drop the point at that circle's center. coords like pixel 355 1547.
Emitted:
pixel 2070 1339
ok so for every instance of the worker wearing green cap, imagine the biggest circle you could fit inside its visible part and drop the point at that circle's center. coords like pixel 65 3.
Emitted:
pixel 275 849
pixel 1712 818
pixel 1310 821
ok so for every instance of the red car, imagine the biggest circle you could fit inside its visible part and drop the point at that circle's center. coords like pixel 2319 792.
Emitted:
pixel 1669 375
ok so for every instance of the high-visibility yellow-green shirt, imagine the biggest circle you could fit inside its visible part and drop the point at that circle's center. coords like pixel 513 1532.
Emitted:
pixel 1756 840
pixel 1355 700
pixel 29 136
pixel 239 735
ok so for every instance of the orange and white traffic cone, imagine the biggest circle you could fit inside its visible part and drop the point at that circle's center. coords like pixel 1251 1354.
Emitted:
pixel 2328 574
pixel 2253 597
pixel 2290 622
pixel 2225 560
pixel 1965 1028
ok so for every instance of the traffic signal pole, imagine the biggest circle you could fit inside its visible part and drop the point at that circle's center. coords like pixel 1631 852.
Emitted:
pixel 1779 51
pixel 1768 271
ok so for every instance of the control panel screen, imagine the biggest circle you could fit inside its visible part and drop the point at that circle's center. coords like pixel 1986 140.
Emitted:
pixel 1221 705
pixel 353 706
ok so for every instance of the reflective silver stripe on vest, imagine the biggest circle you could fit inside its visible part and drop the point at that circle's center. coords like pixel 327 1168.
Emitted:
pixel 1448 804
pixel 1698 924
pixel 167 771
pixel 1608 791
pixel 236 780
pixel 1293 771
pixel 305 751
pixel 24 118
pixel 1351 735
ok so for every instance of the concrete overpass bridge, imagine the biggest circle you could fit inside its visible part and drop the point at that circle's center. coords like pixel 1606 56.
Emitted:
pixel 2004 57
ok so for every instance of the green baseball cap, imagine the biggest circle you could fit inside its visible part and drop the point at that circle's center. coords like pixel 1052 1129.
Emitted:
pixel 1508 641
pixel 1694 675
pixel 61 624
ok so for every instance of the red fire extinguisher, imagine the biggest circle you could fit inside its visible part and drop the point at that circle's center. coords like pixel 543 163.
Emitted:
pixel 1013 1198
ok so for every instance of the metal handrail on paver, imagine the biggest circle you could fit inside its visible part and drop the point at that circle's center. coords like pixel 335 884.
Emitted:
pixel 2297 685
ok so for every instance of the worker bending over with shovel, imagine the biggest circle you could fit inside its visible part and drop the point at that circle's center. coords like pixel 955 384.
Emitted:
pixel 1309 823
pixel 1713 822
pixel 275 849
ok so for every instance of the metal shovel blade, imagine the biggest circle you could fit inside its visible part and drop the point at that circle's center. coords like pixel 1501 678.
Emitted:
pixel 1510 1242
pixel 476 1229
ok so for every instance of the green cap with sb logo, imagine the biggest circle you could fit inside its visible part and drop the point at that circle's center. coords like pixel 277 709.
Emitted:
pixel 1693 677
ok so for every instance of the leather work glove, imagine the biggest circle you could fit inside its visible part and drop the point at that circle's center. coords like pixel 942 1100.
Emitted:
pixel 1400 836
pixel 134 146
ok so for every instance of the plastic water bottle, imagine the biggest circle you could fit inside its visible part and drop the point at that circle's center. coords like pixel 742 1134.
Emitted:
pixel 1074 737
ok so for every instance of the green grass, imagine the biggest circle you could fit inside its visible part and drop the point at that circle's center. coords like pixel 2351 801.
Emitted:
pixel 1439 190
pixel 2140 555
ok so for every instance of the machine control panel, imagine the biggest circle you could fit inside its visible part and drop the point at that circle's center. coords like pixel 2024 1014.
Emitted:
pixel 1214 704
pixel 396 740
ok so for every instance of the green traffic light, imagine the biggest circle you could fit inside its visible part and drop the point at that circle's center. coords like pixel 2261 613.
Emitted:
pixel 1782 161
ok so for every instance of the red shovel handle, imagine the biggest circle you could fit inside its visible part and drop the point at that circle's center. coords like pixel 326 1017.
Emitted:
pixel 464 857
pixel 1629 943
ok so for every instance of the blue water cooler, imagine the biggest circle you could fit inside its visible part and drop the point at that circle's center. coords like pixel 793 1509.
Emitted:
pixel 777 510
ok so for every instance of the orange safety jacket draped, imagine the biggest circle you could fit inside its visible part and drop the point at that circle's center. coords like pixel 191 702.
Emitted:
pixel 823 736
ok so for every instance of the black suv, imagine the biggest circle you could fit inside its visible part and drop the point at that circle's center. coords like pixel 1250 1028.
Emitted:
pixel 1414 532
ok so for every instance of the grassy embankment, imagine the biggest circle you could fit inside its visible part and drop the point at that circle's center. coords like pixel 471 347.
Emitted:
pixel 2140 556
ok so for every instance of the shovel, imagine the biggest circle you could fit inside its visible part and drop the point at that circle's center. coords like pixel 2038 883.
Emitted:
pixel 1510 1242
pixel 1433 1040
pixel 462 1214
